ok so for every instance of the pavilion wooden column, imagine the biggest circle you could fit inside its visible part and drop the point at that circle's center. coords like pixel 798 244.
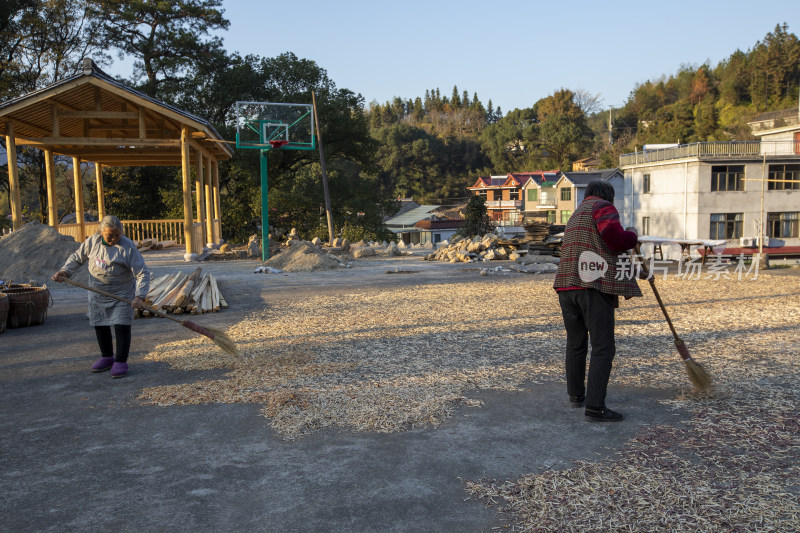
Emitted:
pixel 52 203
pixel 13 177
pixel 76 179
pixel 188 220
pixel 198 187
pixel 209 197
pixel 101 197
pixel 217 211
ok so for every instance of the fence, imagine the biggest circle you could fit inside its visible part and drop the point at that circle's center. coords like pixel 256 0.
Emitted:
pixel 732 149
pixel 707 149
pixel 139 230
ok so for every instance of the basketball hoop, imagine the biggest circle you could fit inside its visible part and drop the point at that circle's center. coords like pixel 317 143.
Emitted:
pixel 276 144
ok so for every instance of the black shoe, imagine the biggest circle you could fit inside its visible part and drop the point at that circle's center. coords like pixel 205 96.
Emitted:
pixel 603 414
pixel 577 401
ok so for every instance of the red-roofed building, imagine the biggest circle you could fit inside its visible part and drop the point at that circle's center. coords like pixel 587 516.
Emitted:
pixel 505 201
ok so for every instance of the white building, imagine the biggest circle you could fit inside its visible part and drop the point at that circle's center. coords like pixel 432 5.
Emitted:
pixel 720 190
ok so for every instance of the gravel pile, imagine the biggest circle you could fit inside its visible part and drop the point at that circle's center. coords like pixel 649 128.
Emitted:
pixel 35 252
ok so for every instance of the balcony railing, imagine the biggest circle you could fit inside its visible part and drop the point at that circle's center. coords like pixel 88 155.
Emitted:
pixel 728 150
pixel 502 204
pixel 546 201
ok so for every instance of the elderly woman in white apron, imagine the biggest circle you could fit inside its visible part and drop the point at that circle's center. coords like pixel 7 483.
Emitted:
pixel 116 266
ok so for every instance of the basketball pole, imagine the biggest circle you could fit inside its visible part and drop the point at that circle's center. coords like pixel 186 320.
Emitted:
pixel 324 173
pixel 264 208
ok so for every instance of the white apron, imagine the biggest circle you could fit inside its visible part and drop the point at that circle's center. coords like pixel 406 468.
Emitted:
pixel 118 269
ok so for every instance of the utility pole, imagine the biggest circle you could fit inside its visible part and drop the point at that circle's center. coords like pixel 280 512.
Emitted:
pixel 610 137
pixel 324 172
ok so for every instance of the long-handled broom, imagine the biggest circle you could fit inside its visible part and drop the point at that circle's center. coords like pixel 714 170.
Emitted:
pixel 220 339
pixel 697 374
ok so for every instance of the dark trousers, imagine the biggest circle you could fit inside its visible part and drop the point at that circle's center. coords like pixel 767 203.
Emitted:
pixel 588 314
pixel 123 334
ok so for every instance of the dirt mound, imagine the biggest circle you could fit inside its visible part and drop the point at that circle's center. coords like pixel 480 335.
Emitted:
pixel 35 252
pixel 302 256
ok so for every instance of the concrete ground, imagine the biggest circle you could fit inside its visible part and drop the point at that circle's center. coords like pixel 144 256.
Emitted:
pixel 79 453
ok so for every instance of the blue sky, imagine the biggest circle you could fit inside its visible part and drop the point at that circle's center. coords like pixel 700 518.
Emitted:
pixel 514 52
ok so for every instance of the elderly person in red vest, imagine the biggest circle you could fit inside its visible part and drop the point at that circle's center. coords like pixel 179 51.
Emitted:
pixel 116 266
pixel 589 288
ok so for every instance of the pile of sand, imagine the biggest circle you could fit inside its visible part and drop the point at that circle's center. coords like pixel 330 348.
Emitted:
pixel 302 256
pixel 35 252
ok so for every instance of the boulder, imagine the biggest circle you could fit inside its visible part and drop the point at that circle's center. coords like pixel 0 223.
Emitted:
pixel 513 256
pixel 225 248
pixel 253 248
pixel 365 251
pixel 316 241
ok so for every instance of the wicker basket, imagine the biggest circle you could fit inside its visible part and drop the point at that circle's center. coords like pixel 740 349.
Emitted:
pixel 3 311
pixel 27 306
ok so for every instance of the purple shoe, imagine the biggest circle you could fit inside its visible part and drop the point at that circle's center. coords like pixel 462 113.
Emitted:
pixel 103 364
pixel 119 370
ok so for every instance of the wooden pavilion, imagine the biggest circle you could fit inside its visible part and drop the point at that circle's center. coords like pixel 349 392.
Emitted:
pixel 94 118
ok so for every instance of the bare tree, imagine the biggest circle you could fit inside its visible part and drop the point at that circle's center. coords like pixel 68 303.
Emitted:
pixel 588 102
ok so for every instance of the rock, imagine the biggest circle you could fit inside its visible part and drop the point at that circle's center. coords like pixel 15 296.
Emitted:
pixel 225 248
pixel 363 252
pixel 401 245
pixel 253 248
pixel 529 259
pixel 500 253
pixel 316 241
pixel 293 234
pixel 513 256
pixel 345 244
pixel 489 255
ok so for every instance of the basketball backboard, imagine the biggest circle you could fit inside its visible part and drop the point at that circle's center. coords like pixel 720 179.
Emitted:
pixel 272 126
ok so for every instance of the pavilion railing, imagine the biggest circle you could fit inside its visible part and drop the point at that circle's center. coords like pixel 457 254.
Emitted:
pixel 138 230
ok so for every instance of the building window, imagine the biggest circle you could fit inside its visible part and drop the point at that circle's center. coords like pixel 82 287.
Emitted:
pixel 645 225
pixel 437 238
pixel 727 178
pixel 513 194
pixel 483 194
pixel 786 177
pixel 566 194
pixel 646 183
pixel 565 216
pixel 551 217
pixel 532 194
pixel 726 225
pixel 783 225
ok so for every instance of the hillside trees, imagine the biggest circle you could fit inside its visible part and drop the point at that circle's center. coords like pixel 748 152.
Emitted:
pixel 427 146
pixel 705 103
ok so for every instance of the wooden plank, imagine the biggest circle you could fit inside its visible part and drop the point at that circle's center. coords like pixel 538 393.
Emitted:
pixel 214 295
pixel 95 141
pixel 99 114
pixel 169 294
pixel 200 287
pixel 220 301
pixel 182 297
